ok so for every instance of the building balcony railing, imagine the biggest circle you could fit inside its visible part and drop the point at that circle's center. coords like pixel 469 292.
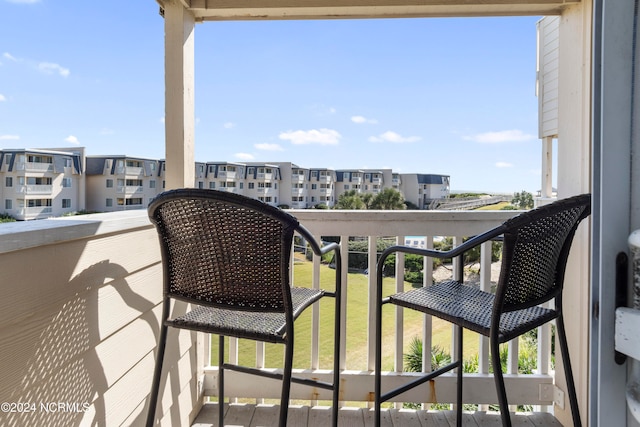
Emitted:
pixel 82 323
pixel 36 189
pixel 130 189
pixel 129 170
pixel 34 167
pixel 35 212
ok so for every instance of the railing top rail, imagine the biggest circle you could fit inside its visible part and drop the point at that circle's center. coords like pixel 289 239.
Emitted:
pixel 399 223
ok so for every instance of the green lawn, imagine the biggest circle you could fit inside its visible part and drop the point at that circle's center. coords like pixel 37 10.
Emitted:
pixel 357 320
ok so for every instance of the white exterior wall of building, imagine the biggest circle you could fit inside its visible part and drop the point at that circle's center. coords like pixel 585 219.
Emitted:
pixel 39 184
pixel 122 183
pixel 113 183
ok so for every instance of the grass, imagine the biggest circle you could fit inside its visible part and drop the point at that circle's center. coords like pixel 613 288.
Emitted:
pixel 357 327
pixel 496 207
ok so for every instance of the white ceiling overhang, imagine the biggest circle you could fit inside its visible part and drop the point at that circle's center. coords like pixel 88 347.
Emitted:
pixel 236 10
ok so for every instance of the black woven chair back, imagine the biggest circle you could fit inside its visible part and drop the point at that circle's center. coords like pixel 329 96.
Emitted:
pixel 224 250
pixel 535 251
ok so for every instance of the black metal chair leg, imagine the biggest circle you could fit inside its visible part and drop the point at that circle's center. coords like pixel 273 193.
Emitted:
pixel 336 360
pixel 566 363
pixel 221 381
pixel 286 380
pixel 499 379
pixel 157 373
pixel 460 369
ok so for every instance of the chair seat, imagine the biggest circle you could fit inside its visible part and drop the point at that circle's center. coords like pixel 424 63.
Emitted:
pixel 268 327
pixel 471 308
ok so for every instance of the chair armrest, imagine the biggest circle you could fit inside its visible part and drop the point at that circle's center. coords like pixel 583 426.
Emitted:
pixel 457 251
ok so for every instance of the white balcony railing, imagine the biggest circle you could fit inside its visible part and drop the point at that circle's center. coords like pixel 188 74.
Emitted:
pixel 357 385
pixel 34 212
pixel 130 189
pixel 82 322
pixel 129 170
pixel 35 189
pixel 34 166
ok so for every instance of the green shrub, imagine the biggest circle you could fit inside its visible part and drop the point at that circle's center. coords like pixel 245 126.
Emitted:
pixel 6 218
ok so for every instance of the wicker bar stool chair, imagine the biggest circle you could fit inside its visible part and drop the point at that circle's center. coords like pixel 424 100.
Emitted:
pixel 535 250
pixel 229 255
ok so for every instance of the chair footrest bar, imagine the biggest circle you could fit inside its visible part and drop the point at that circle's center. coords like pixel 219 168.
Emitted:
pixel 278 376
pixel 423 379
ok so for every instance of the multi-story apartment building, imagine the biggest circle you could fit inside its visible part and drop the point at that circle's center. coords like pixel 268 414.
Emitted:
pixel 121 182
pixel 349 179
pixel 224 176
pixel 322 187
pixel 364 181
pixel 42 183
pixel 422 189
pixel 261 182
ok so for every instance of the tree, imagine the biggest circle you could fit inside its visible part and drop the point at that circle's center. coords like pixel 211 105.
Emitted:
pixel 389 199
pixel 523 200
pixel 367 199
pixel 350 200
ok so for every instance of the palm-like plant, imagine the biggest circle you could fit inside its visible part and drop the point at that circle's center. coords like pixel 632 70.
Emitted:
pixel 389 199
pixel 350 200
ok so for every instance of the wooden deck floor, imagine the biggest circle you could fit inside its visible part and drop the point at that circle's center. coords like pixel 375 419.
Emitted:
pixel 267 416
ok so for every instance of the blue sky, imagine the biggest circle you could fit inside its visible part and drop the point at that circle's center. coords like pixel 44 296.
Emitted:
pixel 452 96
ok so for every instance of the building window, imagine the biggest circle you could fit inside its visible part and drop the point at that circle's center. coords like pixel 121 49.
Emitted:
pixel 67 162
pixel 109 183
pixel 314 186
pixel 212 185
pixel 152 183
pixel 200 184
pixel 241 185
pixel 134 201
pixel 346 186
pixel 39 159
pixel 251 186
pixel 8 182
pixel 66 203
pixel 8 204
pixel 109 203
pixel 66 182
pixel 37 203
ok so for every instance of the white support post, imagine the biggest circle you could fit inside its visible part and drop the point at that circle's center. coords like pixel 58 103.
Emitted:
pixel 179 26
pixel 547 167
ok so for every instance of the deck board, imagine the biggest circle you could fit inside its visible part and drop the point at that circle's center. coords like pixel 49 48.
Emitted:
pixel 320 416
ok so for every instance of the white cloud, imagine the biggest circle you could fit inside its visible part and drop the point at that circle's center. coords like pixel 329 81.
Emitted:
pixel 313 136
pixel 72 140
pixel 362 119
pixel 513 135
pixel 504 165
pixel 229 125
pixel 244 156
pixel 10 57
pixel 9 137
pixel 269 147
pixel 2 97
pixel 332 110
pixel 51 68
pixel 393 137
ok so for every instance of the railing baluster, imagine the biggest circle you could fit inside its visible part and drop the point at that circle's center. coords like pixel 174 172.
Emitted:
pixel 485 285
pixel 372 257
